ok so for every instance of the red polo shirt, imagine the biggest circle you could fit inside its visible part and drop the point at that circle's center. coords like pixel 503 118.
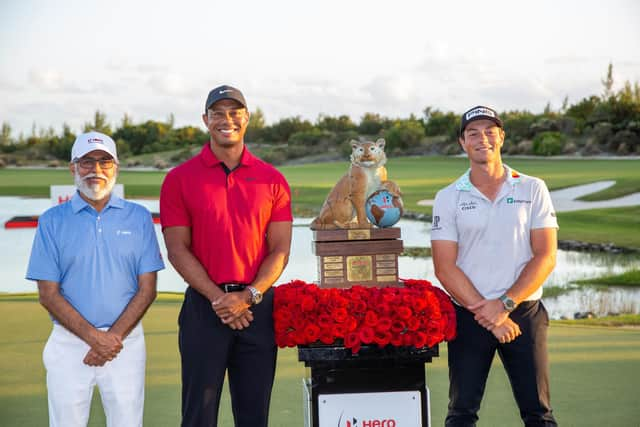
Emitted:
pixel 228 214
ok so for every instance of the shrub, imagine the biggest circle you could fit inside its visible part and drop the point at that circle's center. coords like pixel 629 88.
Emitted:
pixel 548 143
pixel 525 146
pixel 624 137
pixel 570 148
pixel 402 135
pixel 602 132
pixel 311 137
pixel 160 164
pixel 273 156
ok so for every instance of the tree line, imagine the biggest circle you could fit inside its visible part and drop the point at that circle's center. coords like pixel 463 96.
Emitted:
pixel 608 123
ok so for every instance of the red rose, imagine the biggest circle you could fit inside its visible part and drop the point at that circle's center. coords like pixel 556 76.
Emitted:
pixel 419 339
pixel 311 333
pixel 324 320
pixel 366 334
pixel 326 337
pixel 398 326
pixel 352 341
pixel 413 324
pixel 340 315
pixel 403 312
pixel 370 318
pixel 308 303
pixel 384 324
pixel 382 338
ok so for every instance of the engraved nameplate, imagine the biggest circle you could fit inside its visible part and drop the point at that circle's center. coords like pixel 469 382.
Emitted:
pixel 333 273
pixel 384 264
pixel 359 268
pixel 358 234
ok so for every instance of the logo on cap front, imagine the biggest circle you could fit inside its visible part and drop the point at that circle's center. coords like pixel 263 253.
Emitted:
pixel 480 112
pixel 225 91
pixel 95 141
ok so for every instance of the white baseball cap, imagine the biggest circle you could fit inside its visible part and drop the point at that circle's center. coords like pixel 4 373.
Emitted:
pixel 87 142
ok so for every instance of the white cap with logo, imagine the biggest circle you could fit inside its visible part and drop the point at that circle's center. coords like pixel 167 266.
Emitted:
pixel 87 142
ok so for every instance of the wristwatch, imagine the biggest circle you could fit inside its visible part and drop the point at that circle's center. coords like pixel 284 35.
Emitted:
pixel 508 303
pixel 256 295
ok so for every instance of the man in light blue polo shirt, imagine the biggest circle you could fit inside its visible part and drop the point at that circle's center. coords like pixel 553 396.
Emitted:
pixel 95 259
pixel 494 243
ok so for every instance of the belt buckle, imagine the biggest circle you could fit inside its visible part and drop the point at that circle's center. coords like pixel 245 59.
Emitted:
pixel 232 287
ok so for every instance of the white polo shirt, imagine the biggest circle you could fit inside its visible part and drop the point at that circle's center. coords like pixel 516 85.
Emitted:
pixel 494 239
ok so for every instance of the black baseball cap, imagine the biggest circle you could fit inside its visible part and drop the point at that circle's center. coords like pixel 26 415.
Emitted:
pixel 479 113
pixel 224 92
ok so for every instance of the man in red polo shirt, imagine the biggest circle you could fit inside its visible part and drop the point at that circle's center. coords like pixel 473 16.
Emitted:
pixel 226 219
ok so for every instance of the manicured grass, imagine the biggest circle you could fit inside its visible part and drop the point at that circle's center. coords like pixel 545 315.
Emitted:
pixel 36 182
pixel 626 320
pixel 419 178
pixel 594 374
pixel 628 278
pixel 416 252
pixel 616 225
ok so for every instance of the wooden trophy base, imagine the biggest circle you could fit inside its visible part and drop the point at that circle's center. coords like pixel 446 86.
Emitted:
pixel 357 256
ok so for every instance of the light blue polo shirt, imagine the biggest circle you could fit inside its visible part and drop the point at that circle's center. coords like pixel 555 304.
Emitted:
pixel 96 257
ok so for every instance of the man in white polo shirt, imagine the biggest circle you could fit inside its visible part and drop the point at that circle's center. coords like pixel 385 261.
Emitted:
pixel 95 259
pixel 494 240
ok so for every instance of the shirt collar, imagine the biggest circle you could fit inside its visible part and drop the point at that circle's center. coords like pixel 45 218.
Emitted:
pixel 78 203
pixel 464 182
pixel 209 159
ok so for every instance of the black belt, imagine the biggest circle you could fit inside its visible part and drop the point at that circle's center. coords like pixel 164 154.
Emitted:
pixel 232 287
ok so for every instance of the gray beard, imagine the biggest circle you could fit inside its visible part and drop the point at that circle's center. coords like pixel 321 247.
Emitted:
pixel 93 192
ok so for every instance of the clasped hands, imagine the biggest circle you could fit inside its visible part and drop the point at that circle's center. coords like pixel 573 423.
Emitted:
pixel 233 310
pixel 491 315
pixel 105 347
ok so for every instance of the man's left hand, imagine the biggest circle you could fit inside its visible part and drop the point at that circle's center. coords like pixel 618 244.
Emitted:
pixel 489 313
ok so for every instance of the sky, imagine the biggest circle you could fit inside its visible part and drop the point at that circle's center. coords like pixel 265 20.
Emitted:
pixel 60 61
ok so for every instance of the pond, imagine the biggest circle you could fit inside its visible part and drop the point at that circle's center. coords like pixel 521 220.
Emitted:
pixel 15 246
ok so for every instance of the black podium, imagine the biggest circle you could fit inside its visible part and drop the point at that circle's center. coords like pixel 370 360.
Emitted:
pixel 377 387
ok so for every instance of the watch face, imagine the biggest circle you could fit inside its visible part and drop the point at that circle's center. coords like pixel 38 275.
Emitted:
pixel 256 295
pixel 508 303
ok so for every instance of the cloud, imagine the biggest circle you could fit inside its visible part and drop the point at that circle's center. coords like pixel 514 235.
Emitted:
pixel 46 79
pixel 572 60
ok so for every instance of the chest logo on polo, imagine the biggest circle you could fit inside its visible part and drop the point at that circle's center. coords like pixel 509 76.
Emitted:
pixel 123 232
pixel 468 206
pixel 512 201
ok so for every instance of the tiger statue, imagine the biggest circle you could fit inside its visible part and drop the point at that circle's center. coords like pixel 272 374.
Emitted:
pixel 344 206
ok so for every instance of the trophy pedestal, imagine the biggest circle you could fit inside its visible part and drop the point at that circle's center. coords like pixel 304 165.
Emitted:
pixel 357 256
pixel 377 387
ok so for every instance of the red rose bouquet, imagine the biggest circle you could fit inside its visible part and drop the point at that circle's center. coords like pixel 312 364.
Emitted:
pixel 418 315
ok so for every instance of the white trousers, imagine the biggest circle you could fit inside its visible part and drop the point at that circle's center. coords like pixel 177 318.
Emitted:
pixel 70 382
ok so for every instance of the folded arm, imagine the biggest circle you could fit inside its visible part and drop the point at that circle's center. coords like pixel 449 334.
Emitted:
pixel 544 247
pixel 106 344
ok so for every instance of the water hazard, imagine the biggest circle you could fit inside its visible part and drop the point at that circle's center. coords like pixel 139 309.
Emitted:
pixel 15 246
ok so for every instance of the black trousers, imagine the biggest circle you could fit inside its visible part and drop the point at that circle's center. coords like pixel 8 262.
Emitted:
pixel 208 348
pixel 525 360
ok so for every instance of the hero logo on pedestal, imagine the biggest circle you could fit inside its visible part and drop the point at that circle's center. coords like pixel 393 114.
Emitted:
pixel 389 409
